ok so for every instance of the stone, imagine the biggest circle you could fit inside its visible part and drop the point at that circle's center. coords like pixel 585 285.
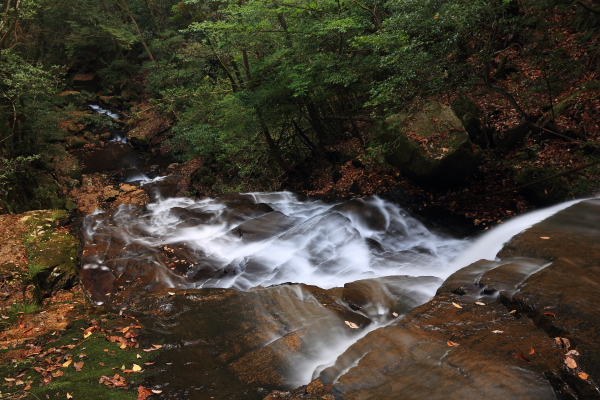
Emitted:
pixel 500 340
pixel 506 140
pixel 431 146
pixel 470 115
pixel 243 341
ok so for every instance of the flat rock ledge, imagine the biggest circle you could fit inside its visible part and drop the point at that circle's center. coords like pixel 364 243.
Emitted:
pixel 524 327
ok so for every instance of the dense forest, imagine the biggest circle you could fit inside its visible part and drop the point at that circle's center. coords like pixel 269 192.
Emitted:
pixel 269 94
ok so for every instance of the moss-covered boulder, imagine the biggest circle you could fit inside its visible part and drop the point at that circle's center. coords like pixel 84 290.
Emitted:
pixel 430 145
pixel 52 252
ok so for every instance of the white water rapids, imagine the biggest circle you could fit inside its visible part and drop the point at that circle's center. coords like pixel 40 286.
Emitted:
pixel 304 241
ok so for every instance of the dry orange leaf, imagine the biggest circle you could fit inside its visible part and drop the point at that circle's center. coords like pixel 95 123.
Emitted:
pixel 583 375
pixel 67 363
pixel 531 351
pixel 451 343
pixel 544 237
pixel 143 393
pixel 69 396
pixel 522 357
pixel 570 361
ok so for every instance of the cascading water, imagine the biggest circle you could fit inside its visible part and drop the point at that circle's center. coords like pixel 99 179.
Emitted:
pixel 258 240
pixel 273 238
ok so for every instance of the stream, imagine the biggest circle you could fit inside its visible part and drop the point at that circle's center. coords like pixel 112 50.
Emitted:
pixel 324 274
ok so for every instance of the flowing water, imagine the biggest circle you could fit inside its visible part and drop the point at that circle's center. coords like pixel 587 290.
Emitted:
pixel 264 244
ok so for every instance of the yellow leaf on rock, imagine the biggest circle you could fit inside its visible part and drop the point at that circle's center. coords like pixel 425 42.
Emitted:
pixel 456 305
pixel 479 303
pixel 351 324
pixel 570 361
pixel 544 237
pixel 451 343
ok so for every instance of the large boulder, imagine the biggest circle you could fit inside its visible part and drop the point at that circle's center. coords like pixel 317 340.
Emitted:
pixel 431 145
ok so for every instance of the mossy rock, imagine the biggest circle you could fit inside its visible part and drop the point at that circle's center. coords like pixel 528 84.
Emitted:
pixel 75 142
pixel 65 163
pixel 53 254
pixel 431 145
pixel 99 356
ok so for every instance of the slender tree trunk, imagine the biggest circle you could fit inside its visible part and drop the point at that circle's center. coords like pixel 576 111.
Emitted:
pixel 126 9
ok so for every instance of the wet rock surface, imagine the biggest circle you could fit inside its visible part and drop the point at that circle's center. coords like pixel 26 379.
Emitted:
pixel 225 343
pixel 523 327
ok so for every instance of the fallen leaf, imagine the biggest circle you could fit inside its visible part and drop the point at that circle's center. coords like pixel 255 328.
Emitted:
pixel 143 393
pixel 148 363
pixel 497 331
pixel 136 368
pixel 531 351
pixel 544 237
pixel 566 343
pixel 513 312
pixel 582 375
pixel 160 391
pixel 57 374
pixel 395 314
pixel 570 361
pixel 351 324
pixel 67 363
pixel 456 305
pixel 88 332
pixel 69 396
pixel 550 314
pixel 9 379
pixel 157 346
pixel 572 353
pixel 521 357
pixel 451 343
pixel 479 303
pixel 115 381
pixel 558 341
pixel 171 293
pixel 78 366
pixel 138 356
